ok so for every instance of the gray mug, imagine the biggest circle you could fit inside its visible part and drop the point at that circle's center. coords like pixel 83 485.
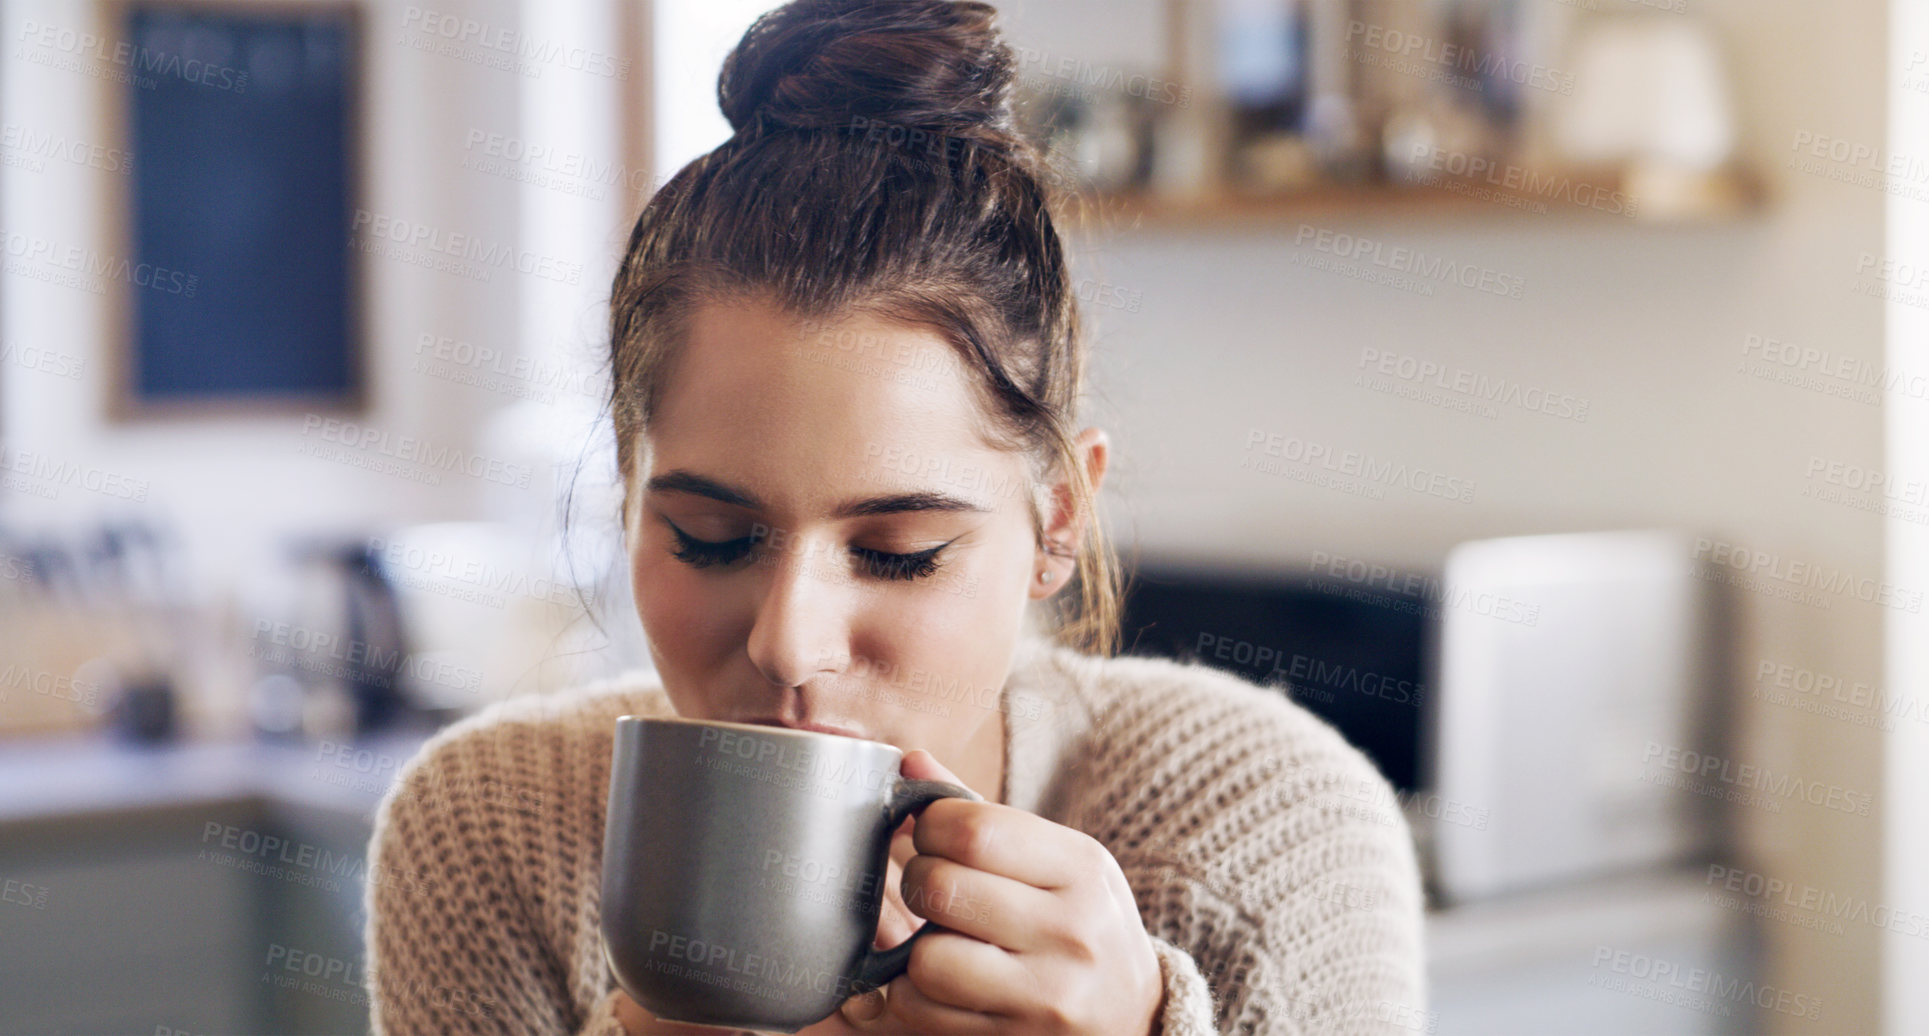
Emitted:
pixel 744 869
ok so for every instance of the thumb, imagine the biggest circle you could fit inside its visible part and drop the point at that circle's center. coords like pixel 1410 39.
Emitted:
pixel 921 765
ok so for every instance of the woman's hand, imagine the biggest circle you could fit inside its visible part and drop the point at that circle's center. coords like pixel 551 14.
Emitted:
pixel 1040 931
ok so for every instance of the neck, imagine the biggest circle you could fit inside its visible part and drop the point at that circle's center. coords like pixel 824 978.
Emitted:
pixel 983 764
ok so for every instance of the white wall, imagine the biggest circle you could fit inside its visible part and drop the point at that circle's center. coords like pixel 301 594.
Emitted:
pixel 232 485
pixel 1648 325
pixel 450 134
pixel 1906 950
pixel 690 42
pixel 1230 335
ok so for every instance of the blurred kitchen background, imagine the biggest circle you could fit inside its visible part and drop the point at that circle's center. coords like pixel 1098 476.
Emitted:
pixel 1537 389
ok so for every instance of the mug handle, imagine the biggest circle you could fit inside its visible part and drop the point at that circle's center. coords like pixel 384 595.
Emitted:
pixel 908 796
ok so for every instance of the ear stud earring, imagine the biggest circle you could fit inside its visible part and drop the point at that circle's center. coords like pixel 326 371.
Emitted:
pixel 1045 576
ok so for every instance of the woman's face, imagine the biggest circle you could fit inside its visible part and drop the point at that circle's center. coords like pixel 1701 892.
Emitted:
pixel 820 537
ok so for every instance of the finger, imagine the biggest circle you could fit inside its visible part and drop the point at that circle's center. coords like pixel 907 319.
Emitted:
pixel 1007 841
pixel 909 1012
pixel 968 974
pixel 989 907
pixel 901 845
pixel 862 1009
pixel 895 921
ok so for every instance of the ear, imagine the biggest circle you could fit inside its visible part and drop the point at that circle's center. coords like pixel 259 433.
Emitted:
pixel 1063 526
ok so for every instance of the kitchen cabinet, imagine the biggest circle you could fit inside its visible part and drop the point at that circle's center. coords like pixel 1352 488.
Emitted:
pixel 194 889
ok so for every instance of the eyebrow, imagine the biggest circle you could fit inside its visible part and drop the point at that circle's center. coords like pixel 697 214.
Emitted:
pixel 680 481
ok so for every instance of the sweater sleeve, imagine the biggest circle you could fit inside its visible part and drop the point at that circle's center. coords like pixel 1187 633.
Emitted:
pixel 1271 861
pixel 602 1019
pixel 1349 926
pixel 1188 1000
pixel 1340 955
pixel 1326 938
pixel 454 949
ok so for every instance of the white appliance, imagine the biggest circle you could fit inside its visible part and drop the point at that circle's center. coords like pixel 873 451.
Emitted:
pixel 1571 666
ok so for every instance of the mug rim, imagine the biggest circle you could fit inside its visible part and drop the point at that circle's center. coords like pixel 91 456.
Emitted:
pixel 755 728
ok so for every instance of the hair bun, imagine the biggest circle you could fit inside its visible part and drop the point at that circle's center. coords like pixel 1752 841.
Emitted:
pixel 937 65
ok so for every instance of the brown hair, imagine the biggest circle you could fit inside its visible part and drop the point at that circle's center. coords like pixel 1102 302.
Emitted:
pixel 874 168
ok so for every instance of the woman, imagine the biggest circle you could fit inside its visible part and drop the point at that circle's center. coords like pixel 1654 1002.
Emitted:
pixel 846 359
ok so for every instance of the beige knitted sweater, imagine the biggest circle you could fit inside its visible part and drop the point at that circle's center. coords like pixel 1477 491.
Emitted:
pixel 1271 863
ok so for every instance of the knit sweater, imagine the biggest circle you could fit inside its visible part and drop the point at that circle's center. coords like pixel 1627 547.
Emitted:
pixel 1271 863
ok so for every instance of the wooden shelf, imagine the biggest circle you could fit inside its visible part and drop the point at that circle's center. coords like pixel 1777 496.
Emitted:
pixel 1606 197
pixel 1645 202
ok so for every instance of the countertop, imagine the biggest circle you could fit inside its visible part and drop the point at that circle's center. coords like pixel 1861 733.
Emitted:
pixel 67 776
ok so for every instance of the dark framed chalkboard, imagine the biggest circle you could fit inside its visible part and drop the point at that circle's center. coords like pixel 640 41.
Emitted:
pixel 242 288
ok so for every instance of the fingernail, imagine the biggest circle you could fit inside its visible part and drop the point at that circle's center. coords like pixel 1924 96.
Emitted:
pixel 865 1006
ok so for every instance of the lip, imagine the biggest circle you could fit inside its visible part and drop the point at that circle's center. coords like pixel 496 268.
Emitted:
pixel 815 728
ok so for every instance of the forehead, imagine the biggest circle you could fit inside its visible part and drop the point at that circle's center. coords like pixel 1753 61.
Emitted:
pixel 808 411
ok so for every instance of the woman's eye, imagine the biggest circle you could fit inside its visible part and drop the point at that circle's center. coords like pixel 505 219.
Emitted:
pixel 704 553
pixel 876 563
pixel 899 566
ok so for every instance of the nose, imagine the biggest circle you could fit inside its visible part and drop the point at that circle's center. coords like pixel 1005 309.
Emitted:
pixel 802 627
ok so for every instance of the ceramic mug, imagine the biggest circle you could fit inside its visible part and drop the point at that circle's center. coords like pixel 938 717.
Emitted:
pixel 744 869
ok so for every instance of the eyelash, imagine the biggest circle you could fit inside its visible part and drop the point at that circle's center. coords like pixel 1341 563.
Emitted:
pixel 703 553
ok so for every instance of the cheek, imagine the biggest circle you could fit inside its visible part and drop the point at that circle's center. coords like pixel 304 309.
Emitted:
pixel 964 599
pixel 682 612
pixel 1004 575
pixel 955 625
